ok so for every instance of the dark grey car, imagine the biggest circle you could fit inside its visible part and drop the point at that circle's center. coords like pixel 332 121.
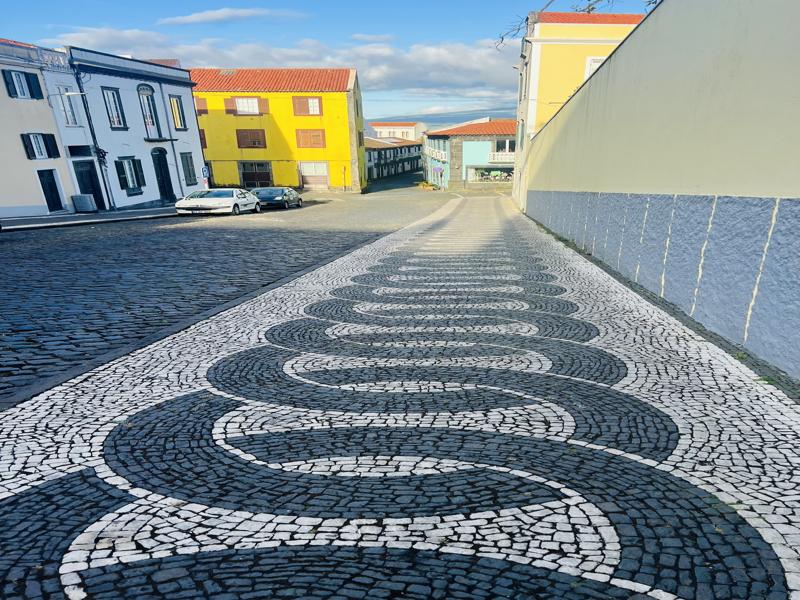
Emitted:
pixel 280 197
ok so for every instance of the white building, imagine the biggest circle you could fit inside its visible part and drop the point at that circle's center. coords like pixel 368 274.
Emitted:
pixel 36 177
pixel 392 156
pixel 145 129
pixel 404 130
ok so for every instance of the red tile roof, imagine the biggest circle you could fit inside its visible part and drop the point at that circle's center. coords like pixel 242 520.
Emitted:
pixel 271 80
pixel 590 18
pixel 393 123
pixel 16 43
pixel 493 127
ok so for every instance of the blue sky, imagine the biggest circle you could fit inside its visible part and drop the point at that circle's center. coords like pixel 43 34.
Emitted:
pixel 413 57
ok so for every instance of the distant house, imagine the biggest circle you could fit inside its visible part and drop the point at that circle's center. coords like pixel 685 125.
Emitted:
pixel 293 127
pixel 405 130
pixel 146 136
pixel 471 155
pixel 391 156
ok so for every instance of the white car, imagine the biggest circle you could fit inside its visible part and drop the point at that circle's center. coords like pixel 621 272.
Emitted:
pixel 230 201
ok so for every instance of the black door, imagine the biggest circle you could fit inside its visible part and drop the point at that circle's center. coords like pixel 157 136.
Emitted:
pixel 50 188
pixel 165 190
pixel 88 183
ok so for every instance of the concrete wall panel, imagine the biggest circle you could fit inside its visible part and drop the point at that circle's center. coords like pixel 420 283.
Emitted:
pixel 651 254
pixel 732 259
pixel 689 228
pixel 773 332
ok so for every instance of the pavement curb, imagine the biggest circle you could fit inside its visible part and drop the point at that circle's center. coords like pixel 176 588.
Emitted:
pixel 30 227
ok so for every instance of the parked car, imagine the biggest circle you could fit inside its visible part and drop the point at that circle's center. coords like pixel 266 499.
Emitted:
pixel 221 200
pixel 282 197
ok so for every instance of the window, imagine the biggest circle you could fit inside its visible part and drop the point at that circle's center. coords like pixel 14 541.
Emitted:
pixel 22 85
pixel 116 116
pixel 310 138
pixel 200 106
pixel 251 138
pixel 130 174
pixel 178 117
pixel 247 106
pixel 202 138
pixel 147 101
pixel 67 108
pixel 187 162
pixel 40 145
pixel 592 64
pixel 505 145
pixel 307 105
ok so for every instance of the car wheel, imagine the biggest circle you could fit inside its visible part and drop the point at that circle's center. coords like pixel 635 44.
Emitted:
pixel 285 204
pixel 235 210
pixel 257 207
pixel 299 202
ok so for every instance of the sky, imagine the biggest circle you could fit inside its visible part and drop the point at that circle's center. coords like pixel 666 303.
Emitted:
pixel 413 56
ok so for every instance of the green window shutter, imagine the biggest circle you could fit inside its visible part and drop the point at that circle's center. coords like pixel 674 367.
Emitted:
pixel 33 86
pixel 26 143
pixel 123 181
pixel 10 87
pixel 51 145
pixel 137 167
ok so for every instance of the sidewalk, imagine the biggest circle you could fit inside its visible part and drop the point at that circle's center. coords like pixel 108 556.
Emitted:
pixel 72 219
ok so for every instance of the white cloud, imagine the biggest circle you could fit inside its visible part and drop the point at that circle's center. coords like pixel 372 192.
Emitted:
pixel 372 37
pixel 231 14
pixel 438 76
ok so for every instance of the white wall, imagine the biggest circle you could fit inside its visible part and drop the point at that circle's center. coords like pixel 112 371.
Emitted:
pixel 132 142
pixel 677 165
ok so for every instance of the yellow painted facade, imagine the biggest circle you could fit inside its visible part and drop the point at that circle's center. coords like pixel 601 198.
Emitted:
pixel 563 56
pixel 341 119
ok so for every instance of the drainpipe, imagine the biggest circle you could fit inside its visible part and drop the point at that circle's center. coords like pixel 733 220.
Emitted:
pixel 167 115
pixel 101 158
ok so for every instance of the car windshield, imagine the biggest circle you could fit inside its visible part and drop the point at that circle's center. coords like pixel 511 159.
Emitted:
pixel 211 194
pixel 268 192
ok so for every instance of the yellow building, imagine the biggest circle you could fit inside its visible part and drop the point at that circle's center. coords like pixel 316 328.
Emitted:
pixel 559 53
pixel 282 127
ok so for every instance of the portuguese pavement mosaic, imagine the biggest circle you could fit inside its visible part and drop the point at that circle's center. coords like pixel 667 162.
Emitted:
pixel 463 409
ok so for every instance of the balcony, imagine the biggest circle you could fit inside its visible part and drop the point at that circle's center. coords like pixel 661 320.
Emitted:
pixel 436 154
pixel 502 157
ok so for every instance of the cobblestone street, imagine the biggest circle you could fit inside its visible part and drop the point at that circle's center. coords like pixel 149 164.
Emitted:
pixel 463 408
pixel 71 295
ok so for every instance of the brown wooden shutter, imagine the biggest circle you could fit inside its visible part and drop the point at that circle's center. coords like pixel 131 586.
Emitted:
pixel 300 105
pixel 259 138
pixel 251 138
pixel 200 106
pixel 241 138
pixel 202 138
pixel 310 138
pixel 263 106
pixel 230 106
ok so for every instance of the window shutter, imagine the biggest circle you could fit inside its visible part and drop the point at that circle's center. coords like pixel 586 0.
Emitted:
pixel 300 105
pixel 201 106
pixel 123 181
pixel 10 87
pixel 26 142
pixel 241 138
pixel 51 145
pixel 260 137
pixel 202 138
pixel 137 168
pixel 263 106
pixel 33 86
pixel 230 106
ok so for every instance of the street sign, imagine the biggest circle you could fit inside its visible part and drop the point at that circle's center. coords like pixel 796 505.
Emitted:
pixel 205 172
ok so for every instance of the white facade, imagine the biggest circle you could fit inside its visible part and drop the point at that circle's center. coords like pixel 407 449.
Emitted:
pixel 34 171
pixel 405 130
pixel 145 128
